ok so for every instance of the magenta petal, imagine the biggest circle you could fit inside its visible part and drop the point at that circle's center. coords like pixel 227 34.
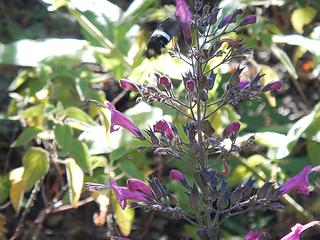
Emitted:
pixel 254 235
pixel 165 128
pixel 184 14
pixel 275 85
pixel 300 182
pixel 119 119
pixel 178 176
pixel 231 128
pixel 297 229
pixel 243 84
pixel 166 82
pixel 138 185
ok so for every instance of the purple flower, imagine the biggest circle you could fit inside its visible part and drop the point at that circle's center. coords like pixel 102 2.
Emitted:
pixel 248 20
pixel 165 82
pixel 118 119
pixel 129 85
pixel 275 85
pixel 184 14
pixel 299 182
pixel 243 84
pixel 123 194
pixel 254 235
pixel 297 229
pixel 225 20
pixel 134 184
pixel 232 128
pixel 178 176
pixel 164 128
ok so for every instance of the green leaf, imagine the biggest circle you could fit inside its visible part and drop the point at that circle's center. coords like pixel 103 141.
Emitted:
pixel 285 60
pixel 124 218
pixel 301 17
pixel 64 136
pixel 33 111
pixel 79 152
pixel 313 150
pixel 36 164
pixel 26 136
pixel 77 113
pixel 75 181
pixel 4 188
pixel 130 169
pixel 17 188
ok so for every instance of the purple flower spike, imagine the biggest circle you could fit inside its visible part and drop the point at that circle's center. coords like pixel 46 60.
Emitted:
pixel 129 85
pixel 300 182
pixel 243 84
pixel 134 184
pixel 232 128
pixel 123 194
pixel 119 119
pixel 164 128
pixel 184 14
pixel 254 235
pixel 251 19
pixel 275 85
pixel 178 176
pixel 165 82
pixel 190 85
pixel 297 229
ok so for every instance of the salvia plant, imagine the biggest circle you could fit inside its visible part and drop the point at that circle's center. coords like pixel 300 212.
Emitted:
pixel 211 198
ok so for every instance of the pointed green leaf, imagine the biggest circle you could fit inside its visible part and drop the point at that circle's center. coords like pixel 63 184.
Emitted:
pixel 285 60
pixel 77 113
pixel 26 136
pixel 79 152
pixel 16 189
pixel 64 136
pixel 75 181
pixel 36 164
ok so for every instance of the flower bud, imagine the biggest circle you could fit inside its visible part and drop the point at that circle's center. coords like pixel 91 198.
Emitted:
pixel 134 184
pixel 248 20
pixel 248 187
pixel 232 128
pixel 243 84
pixel 129 85
pixel 210 81
pixel 165 82
pixel 190 85
pixel 178 176
pixel 223 200
pixel 275 85
pixel 203 95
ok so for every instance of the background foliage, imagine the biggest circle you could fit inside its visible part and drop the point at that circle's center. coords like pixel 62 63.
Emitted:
pixel 54 55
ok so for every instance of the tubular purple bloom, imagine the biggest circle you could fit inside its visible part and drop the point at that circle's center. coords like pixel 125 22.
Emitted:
pixel 178 176
pixel 297 229
pixel 164 128
pixel 184 14
pixel 231 128
pixel 225 20
pixel 300 182
pixel 243 84
pixel 119 119
pixel 275 85
pixel 134 184
pixel 129 85
pixel 254 235
pixel 166 82
pixel 123 194
pixel 248 20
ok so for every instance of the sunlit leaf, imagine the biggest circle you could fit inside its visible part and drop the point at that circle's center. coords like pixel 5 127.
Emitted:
pixel 36 164
pixel 130 169
pixel 285 60
pixel 301 17
pixel 17 187
pixel 77 113
pixel 124 218
pixel 75 180
pixel 26 136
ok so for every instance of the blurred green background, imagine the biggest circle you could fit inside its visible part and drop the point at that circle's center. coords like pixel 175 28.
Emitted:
pixel 56 54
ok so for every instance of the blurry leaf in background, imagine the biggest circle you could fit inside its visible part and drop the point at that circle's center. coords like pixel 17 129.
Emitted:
pixel 313 152
pixel 64 136
pixel 17 188
pixel 301 17
pixel 32 52
pixel 285 60
pixel 75 181
pixel 79 152
pixel 36 164
pixel 4 188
